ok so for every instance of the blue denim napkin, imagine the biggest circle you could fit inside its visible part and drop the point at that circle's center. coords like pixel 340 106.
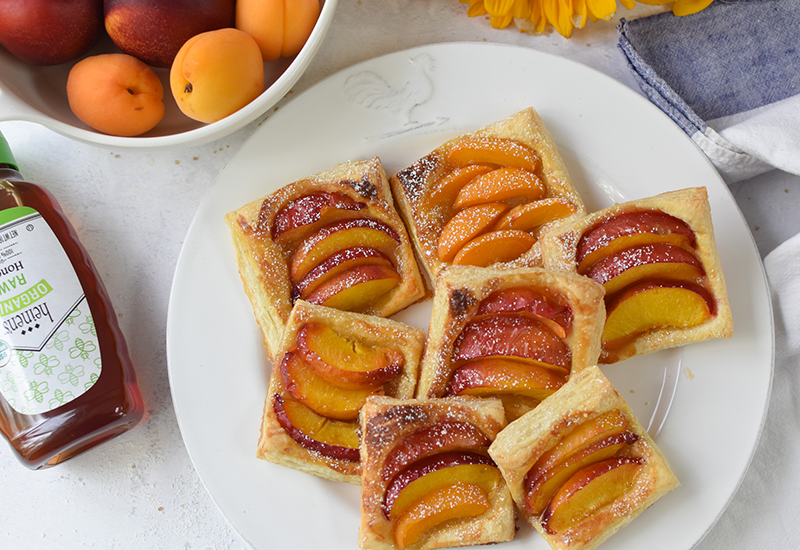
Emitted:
pixel 729 76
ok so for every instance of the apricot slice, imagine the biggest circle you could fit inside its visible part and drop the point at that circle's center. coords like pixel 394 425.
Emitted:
pixel 453 501
pixel 331 438
pixel 436 471
pixel 651 305
pixel 651 261
pixel 494 247
pixel 346 362
pixel 532 215
pixel 552 307
pixel 628 230
pixel 486 376
pixel 495 151
pixel 318 394
pixel 438 438
pixel 314 210
pixel 502 184
pixel 446 188
pixel 513 336
pixel 589 490
pixel 465 226
pixel 335 264
pixel 338 236
pixel 357 288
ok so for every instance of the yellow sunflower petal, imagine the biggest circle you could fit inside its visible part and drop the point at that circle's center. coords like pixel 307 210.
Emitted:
pixel 688 7
pixel 498 7
pixel 655 2
pixel 579 17
pixel 602 9
pixel 628 4
pixel 501 21
pixel 475 9
pixel 522 9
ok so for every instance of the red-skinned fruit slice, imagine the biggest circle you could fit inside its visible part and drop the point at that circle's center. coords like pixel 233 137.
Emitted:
pixel 336 264
pixel 493 151
pixel 347 362
pixel 488 376
pixel 330 438
pixel 356 289
pixel 527 300
pixel 314 209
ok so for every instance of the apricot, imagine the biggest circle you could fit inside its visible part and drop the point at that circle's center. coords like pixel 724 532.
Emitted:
pixel 501 185
pixel 115 94
pixel 279 27
pixel 216 73
pixel 465 226
pixel 495 151
pixel 495 246
pixel 532 215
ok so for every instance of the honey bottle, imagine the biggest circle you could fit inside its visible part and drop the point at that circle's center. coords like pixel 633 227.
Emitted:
pixel 66 379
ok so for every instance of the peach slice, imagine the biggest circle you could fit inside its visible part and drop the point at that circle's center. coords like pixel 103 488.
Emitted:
pixel 532 215
pixel 526 300
pixel 458 500
pixel 316 393
pixel 487 376
pixel 335 264
pixel 465 226
pixel 436 471
pixel 346 362
pixel 331 438
pixel 502 184
pixel 446 188
pixel 650 261
pixel 513 336
pixel 338 236
pixel 494 247
pixel 629 230
pixel 357 288
pixel 310 212
pixel 494 151
pixel 589 490
pixel 651 305
pixel 441 437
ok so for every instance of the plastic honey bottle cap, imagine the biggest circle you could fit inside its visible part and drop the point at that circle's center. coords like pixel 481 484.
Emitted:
pixel 6 156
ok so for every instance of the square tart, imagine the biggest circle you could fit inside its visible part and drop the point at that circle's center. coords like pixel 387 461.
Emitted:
pixel 309 423
pixel 490 190
pixel 583 424
pixel 554 318
pixel 673 229
pixel 425 460
pixel 275 240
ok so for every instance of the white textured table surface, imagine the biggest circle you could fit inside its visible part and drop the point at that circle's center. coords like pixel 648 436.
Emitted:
pixel 132 210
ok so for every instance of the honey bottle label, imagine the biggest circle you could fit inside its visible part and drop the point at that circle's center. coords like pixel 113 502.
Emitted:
pixel 49 352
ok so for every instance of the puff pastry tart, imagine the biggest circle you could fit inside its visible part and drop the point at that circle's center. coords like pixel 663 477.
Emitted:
pixel 483 198
pixel 657 260
pixel 517 334
pixel 580 466
pixel 330 361
pixel 428 481
pixel 332 239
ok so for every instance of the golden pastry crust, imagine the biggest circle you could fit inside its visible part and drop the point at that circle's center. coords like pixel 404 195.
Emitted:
pixel 459 291
pixel 275 444
pixel 691 205
pixel 385 422
pixel 264 263
pixel 587 395
pixel 413 184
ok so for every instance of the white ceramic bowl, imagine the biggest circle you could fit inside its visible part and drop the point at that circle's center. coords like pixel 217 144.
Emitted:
pixel 38 94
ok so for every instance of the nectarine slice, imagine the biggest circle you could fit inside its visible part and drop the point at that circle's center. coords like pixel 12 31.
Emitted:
pixel 318 394
pixel 494 247
pixel 335 264
pixel 553 307
pixel 494 151
pixel 446 188
pixel 502 184
pixel 450 502
pixel 516 405
pixel 347 362
pixel 589 490
pixel 647 262
pixel 487 376
pixel 465 226
pixel 306 214
pixel 338 236
pixel 628 230
pixel 356 289
pixel 436 471
pixel 652 305
pixel 513 336
pixel 331 438
pixel 438 438
pixel 532 215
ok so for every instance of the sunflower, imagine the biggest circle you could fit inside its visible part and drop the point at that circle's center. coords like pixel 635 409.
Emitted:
pixel 564 15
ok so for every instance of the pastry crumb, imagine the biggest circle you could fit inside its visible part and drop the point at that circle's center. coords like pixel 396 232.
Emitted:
pixel 689 374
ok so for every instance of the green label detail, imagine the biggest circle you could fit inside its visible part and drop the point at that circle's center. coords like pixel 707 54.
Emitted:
pixel 11 214
pixel 20 301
